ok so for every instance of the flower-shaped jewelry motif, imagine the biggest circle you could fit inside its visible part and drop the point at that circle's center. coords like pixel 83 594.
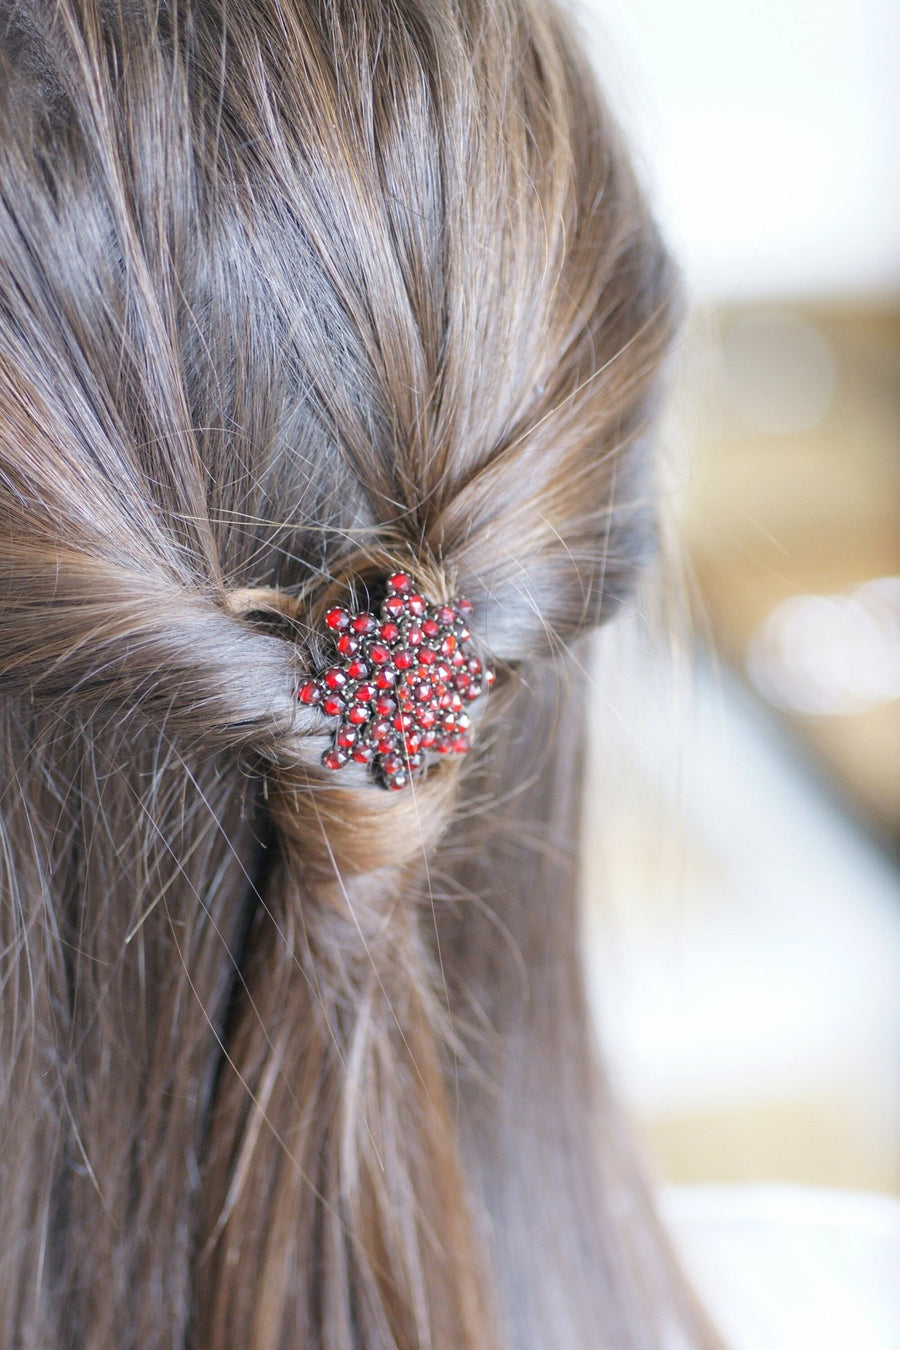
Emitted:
pixel 402 685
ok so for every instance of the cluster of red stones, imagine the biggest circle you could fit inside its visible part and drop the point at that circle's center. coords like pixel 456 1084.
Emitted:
pixel 402 685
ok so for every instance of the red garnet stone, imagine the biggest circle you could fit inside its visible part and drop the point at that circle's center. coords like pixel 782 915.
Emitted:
pixel 427 695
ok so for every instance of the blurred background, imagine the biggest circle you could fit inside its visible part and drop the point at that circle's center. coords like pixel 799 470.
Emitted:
pixel 744 812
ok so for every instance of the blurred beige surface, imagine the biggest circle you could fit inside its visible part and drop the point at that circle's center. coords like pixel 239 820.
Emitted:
pixel 743 943
pixel 743 910
pixel 794 491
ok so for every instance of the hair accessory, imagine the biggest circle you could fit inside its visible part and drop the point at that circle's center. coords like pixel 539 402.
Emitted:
pixel 401 683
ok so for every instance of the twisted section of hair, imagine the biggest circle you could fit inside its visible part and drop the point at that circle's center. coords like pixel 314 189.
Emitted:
pixel 291 294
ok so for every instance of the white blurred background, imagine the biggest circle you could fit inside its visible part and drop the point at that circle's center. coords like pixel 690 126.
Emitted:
pixel 768 131
pixel 744 817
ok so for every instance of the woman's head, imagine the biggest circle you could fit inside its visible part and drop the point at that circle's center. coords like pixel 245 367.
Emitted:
pixel 292 294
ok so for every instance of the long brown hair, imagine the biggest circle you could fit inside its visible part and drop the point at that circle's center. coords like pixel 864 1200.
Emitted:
pixel 292 291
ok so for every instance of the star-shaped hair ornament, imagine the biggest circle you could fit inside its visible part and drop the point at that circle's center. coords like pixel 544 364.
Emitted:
pixel 400 683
